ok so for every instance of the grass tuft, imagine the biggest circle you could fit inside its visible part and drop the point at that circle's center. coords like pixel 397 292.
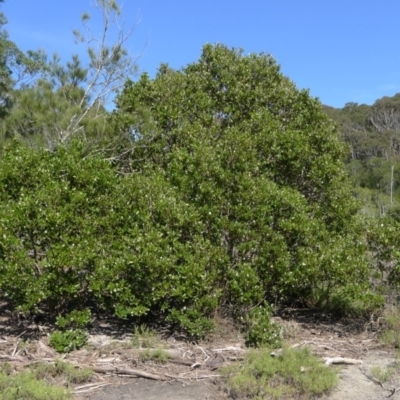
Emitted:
pixel 144 337
pixel 390 330
pixel 382 375
pixel 67 371
pixel 295 373
pixel 25 386
pixel 157 355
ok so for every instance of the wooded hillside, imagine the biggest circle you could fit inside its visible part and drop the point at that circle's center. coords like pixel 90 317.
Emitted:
pixel 373 135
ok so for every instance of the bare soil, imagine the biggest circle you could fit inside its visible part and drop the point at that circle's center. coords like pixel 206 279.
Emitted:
pixel 191 372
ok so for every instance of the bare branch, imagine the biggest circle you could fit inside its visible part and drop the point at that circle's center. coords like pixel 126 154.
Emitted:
pixel 109 66
pixel 385 119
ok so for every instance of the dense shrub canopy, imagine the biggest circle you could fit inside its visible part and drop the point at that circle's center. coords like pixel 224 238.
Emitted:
pixel 262 165
pixel 237 195
pixel 75 233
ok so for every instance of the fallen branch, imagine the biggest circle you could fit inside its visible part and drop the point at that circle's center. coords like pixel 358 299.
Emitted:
pixel 12 358
pixel 180 361
pixel 230 348
pixel 208 376
pixel 14 353
pixel 108 360
pixel 327 347
pixel 233 358
pixel 172 353
pixel 341 360
pixel 393 391
pixel 129 372
pixel 90 387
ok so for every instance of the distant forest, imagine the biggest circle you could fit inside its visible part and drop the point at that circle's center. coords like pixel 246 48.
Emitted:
pixel 373 135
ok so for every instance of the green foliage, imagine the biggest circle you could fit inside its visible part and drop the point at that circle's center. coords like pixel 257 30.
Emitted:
pixel 16 69
pixel 75 319
pixel 66 341
pixel 384 246
pixel 234 192
pixel 64 370
pixel 295 373
pixel 157 355
pixel 75 232
pixel 382 375
pixel 346 302
pixel 261 164
pixel 53 108
pixel 24 386
pixel 389 327
pixel 9 55
pixel 196 323
pixel 260 330
pixel 67 100
pixel 6 368
pixel 72 335
pixel 144 337
pixel 373 136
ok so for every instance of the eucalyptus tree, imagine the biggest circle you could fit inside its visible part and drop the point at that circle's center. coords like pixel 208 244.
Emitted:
pixel 69 100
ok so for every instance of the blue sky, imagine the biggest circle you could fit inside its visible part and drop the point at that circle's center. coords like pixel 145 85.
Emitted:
pixel 342 50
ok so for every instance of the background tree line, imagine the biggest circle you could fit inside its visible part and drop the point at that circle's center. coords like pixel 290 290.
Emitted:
pixel 373 135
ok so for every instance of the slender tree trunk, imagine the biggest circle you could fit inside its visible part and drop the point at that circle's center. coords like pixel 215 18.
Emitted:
pixel 391 185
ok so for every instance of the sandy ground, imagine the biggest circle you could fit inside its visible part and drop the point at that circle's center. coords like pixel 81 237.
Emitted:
pixel 151 390
pixel 192 371
pixel 355 383
pixel 326 338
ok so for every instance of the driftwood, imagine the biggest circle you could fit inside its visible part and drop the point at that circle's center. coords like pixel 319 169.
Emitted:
pixel 90 387
pixel 230 348
pixel 341 360
pixel 180 361
pixel 12 358
pixel 107 360
pixel 128 371
pixel 173 356
pixel 171 352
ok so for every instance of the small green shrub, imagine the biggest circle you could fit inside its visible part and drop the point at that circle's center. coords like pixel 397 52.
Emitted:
pixel 382 375
pixel 6 368
pixel 63 369
pixel 25 386
pixel 66 341
pixel 383 245
pixel 156 355
pixel 144 336
pixel 391 337
pixel 390 329
pixel 260 330
pixel 295 373
pixel 345 302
